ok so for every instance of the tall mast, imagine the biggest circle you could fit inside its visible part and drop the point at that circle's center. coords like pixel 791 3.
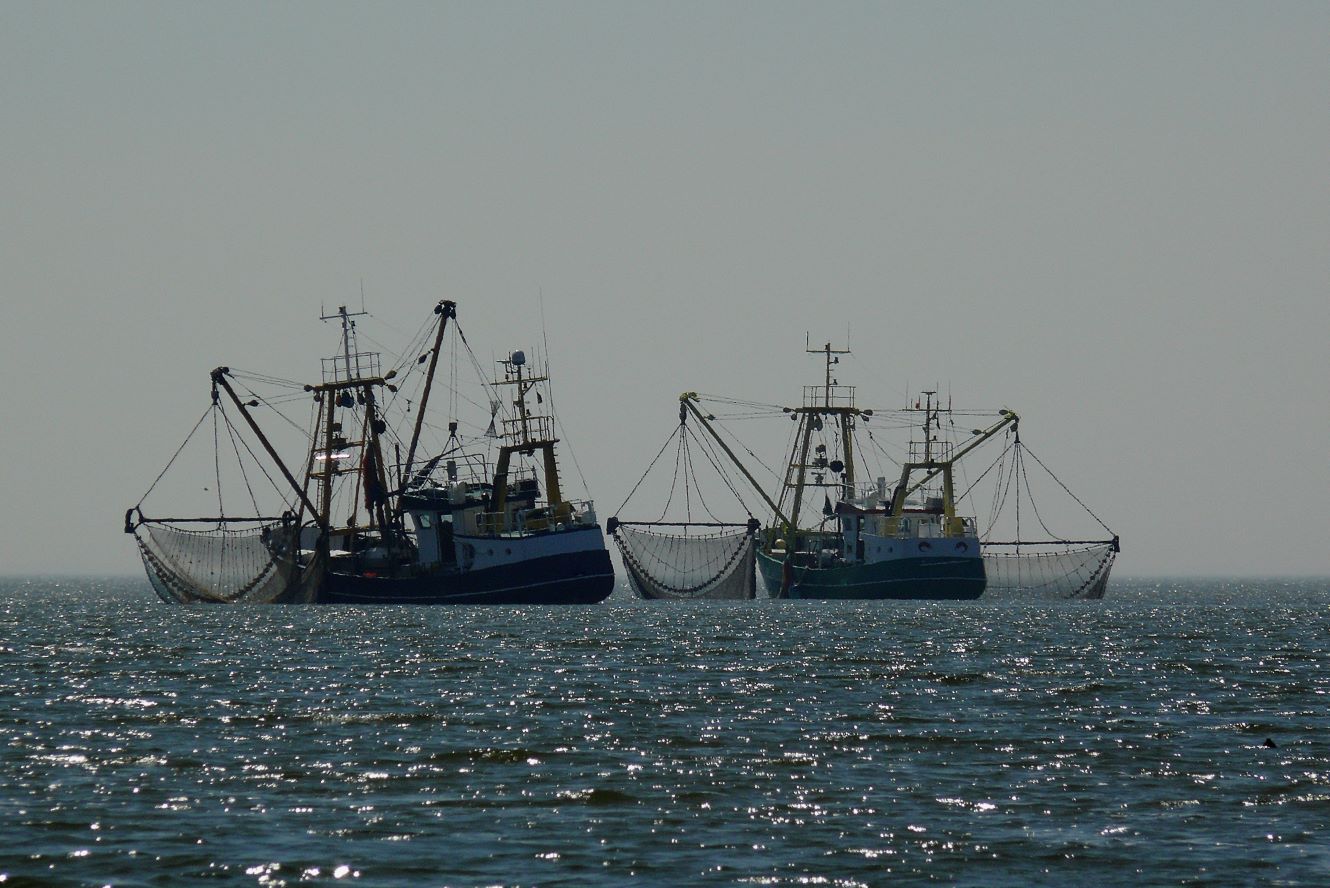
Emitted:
pixel 828 400
pixel 529 432
pixel 929 417
pixel 350 378
pixel 348 332
pixel 445 309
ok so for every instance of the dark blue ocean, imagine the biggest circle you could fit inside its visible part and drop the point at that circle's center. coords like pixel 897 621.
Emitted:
pixel 765 743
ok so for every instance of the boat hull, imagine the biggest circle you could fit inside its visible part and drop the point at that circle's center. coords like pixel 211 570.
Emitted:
pixel 582 577
pixel 919 578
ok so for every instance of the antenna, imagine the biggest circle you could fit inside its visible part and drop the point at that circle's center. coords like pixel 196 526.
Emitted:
pixel 544 336
pixel 831 356
pixel 348 332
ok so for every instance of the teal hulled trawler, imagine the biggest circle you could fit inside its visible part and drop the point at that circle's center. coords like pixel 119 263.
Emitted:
pixel 480 519
pixel 865 543
pixel 867 540
pixel 909 543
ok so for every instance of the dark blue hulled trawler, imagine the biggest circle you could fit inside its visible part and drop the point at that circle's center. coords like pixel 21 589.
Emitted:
pixel 477 536
pixel 482 520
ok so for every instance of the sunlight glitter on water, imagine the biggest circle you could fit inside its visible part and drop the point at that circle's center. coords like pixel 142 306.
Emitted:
pixel 755 744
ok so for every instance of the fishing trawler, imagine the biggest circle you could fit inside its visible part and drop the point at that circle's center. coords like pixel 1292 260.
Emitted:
pixel 871 544
pixel 451 529
pixel 868 541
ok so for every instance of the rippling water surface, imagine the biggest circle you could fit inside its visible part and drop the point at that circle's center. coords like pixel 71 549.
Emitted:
pixel 768 743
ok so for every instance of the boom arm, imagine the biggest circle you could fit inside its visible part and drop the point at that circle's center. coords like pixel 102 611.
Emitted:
pixel 688 399
pixel 219 378
pixel 1009 418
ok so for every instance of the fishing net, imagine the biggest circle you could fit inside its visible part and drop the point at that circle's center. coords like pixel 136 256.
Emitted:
pixel 1048 570
pixel 688 566
pixel 255 564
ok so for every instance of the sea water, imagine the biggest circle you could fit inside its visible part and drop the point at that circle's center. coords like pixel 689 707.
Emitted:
pixel 1177 732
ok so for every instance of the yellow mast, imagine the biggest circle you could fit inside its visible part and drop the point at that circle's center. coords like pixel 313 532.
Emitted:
pixel 816 405
pixel 527 440
pixel 933 467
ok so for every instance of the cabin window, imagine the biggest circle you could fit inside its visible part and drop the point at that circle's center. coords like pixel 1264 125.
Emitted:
pixel 425 520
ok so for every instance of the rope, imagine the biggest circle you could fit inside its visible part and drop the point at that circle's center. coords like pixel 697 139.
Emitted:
pixel 1000 493
pixel 1001 456
pixel 673 432
pixel 675 481
pixel 230 433
pixel 1069 493
pixel 217 465
pixel 268 403
pixel 176 455
pixel 688 481
pixel 714 459
pixel 1030 493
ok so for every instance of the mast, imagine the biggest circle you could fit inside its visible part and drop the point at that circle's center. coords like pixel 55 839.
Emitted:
pixel 329 462
pixel 445 309
pixel 929 416
pixel 350 377
pixel 932 468
pixel 801 467
pixel 529 432
pixel 374 500
pixel 828 400
pixel 348 333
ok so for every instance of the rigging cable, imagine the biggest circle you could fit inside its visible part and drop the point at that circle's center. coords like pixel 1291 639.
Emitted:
pixel 275 486
pixel 176 455
pixel 217 465
pixel 675 481
pixel 265 402
pixel 1064 487
pixel 648 471
pixel 714 459
pixel 1030 493
pixel 230 433
pixel 982 474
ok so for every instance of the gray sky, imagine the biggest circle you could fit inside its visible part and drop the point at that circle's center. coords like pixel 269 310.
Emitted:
pixel 1112 217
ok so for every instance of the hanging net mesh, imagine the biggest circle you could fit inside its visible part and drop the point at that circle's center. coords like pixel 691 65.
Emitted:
pixel 223 564
pixel 1048 570
pixel 688 566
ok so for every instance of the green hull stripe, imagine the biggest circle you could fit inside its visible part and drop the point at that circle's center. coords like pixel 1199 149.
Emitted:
pixel 938 579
